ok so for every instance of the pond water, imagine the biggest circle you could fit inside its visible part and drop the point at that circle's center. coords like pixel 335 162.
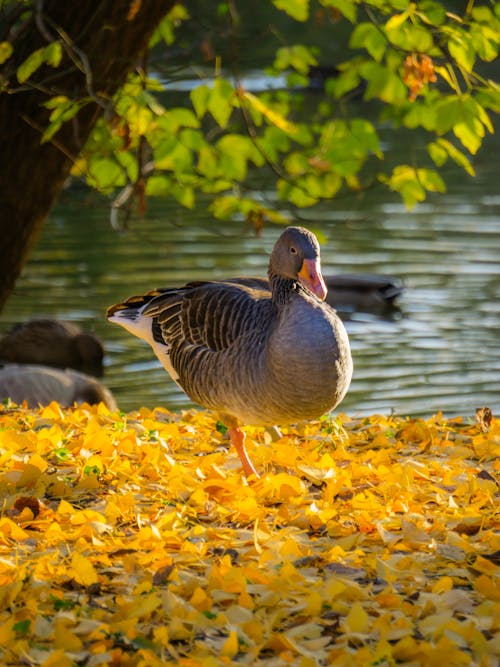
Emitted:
pixel 439 352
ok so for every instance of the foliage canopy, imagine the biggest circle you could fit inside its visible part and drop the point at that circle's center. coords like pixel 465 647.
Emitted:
pixel 414 66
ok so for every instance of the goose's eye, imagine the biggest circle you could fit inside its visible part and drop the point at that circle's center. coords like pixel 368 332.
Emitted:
pixel 293 250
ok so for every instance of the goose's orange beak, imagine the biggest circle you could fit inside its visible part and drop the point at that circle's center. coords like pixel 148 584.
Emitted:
pixel 310 276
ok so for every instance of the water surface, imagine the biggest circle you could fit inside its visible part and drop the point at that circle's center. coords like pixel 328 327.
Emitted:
pixel 439 352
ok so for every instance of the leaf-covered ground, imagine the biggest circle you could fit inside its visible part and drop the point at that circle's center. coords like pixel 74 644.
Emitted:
pixel 135 540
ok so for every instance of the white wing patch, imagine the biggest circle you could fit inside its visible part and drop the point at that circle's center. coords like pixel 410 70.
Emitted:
pixel 138 325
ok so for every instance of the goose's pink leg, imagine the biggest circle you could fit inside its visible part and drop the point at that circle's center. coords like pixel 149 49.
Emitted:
pixel 238 441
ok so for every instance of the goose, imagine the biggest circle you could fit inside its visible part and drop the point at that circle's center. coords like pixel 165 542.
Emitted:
pixel 270 354
pixel 351 292
pixel 52 343
pixel 40 385
pixel 365 292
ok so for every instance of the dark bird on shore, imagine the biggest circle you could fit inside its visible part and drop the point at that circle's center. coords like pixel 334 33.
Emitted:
pixel 40 385
pixel 52 343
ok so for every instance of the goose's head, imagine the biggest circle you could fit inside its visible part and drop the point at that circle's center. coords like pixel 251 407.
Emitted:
pixel 296 255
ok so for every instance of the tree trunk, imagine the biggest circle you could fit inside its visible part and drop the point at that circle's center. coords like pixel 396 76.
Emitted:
pixel 108 36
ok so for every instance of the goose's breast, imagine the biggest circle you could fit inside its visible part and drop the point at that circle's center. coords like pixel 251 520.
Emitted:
pixel 310 361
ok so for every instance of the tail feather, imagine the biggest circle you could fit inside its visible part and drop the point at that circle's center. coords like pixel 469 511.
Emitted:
pixel 134 303
pixel 132 315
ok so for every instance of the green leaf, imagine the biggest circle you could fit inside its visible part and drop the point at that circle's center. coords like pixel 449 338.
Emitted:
pixel 431 12
pixel 183 117
pixel 220 101
pixel 184 194
pixel 462 50
pixel 223 429
pixel 482 15
pixel 448 112
pixel 207 161
pixel 296 164
pixel 105 174
pixel 396 21
pixel 30 65
pixel 364 137
pixel 489 99
pixel 171 155
pixel 347 8
pixel 404 181
pixel 174 119
pixel 297 9
pixel 466 117
pixel 412 183
pixel 343 83
pixel 234 153
pixel 470 133
pixel 299 57
pixel 5 51
pixel 228 206
pixel 431 180
pixel 139 119
pixel 166 29
pixel 235 144
pixel 199 98
pixel 383 84
pixel 63 109
pixel 53 54
pixel 292 194
pixel 233 167
pixel 411 38
pixel 438 153
pixel 158 186
pixel 128 160
pixel 22 627
pixel 367 36
pixel 421 114
pixel 192 139
pixel 441 149
pixel 485 40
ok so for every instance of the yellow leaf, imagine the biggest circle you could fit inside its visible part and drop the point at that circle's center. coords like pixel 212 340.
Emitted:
pixel 94 461
pixel 290 548
pixel 200 600
pixel 65 508
pixel 29 476
pixel 231 646
pixel 486 566
pixel 141 607
pixel 443 585
pixel 255 630
pixel 52 411
pixel 83 571
pixel 38 461
pixel 314 603
pixel 247 508
pixel 65 639
pixel 245 600
pixel 413 535
pixel 487 587
pixel 357 619
pixel 11 531
pixel 57 659
pixel 285 486
pixel 334 587
pixel 272 116
pixel 7 634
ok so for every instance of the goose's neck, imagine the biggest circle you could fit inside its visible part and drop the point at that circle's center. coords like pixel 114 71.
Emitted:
pixel 281 288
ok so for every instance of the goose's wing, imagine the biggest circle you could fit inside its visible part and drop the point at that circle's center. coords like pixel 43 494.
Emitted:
pixel 212 315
